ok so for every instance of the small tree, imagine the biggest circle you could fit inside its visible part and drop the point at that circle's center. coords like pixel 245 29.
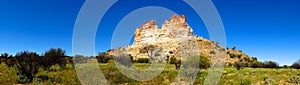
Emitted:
pixel 285 66
pixel 148 50
pixel 54 56
pixel 238 65
pixel 296 66
pixel 3 57
pixel 254 58
pixel 234 48
pixel 270 64
pixel 27 66
pixel 257 64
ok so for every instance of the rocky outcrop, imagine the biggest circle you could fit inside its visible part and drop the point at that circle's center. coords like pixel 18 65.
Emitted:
pixel 176 27
pixel 174 39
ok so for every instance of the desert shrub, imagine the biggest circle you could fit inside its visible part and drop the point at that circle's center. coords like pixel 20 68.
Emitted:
pixel 212 52
pixel 232 55
pixel 270 64
pixel 204 62
pixel 131 58
pixel 173 60
pixel 294 79
pixel 254 58
pixel 143 60
pixel 228 52
pixel 285 66
pixel 103 57
pixel 241 60
pixel 230 64
pixel 245 64
pixel 239 55
pixel 296 65
pixel 178 64
pixel 27 66
pixel 3 57
pixel 246 59
pixel 8 75
pixel 256 64
pixel 52 57
pixel 61 77
pixel 11 61
pixel 124 60
pixel 238 65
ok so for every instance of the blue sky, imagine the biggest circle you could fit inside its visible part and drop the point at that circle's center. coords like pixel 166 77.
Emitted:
pixel 267 29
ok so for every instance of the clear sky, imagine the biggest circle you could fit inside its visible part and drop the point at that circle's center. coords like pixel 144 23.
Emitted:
pixel 267 29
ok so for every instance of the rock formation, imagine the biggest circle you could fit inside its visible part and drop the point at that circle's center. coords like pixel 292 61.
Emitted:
pixel 176 27
pixel 174 39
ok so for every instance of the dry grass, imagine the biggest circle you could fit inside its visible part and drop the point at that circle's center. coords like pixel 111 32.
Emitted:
pixel 231 76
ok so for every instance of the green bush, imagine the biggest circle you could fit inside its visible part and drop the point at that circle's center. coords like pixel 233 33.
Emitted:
pixel 52 57
pixel 270 64
pixel 103 57
pixel 27 66
pixel 173 60
pixel 254 58
pixel 285 66
pixel 257 64
pixel 230 64
pixel 212 52
pixel 8 75
pixel 232 55
pixel 296 65
pixel 204 62
pixel 238 65
pixel 246 59
pixel 228 52
pixel 143 60
pixel 61 77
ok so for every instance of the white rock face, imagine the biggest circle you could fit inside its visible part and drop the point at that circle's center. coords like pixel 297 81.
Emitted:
pixel 174 39
pixel 149 33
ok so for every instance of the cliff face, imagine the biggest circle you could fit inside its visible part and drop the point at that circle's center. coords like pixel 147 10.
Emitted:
pixel 176 27
pixel 174 39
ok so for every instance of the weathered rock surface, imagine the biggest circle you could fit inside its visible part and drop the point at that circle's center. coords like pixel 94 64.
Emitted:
pixel 174 39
